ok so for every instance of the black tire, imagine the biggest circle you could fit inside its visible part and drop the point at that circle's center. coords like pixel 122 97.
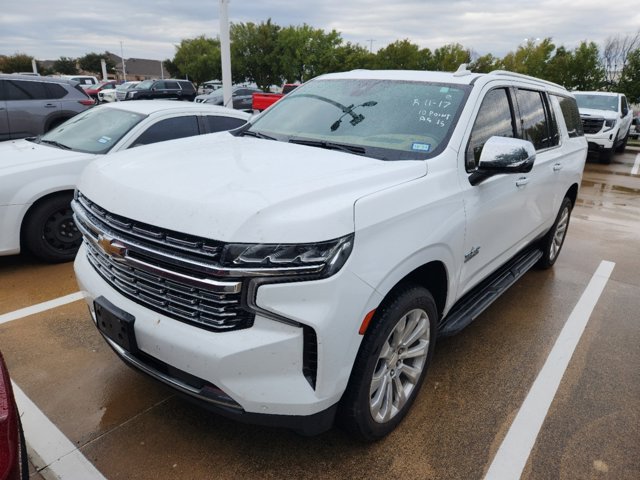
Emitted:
pixel 49 231
pixel 605 155
pixel 622 147
pixel 411 307
pixel 554 239
pixel 24 459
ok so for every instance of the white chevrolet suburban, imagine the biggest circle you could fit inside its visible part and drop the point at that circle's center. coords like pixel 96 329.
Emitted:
pixel 300 268
pixel 606 121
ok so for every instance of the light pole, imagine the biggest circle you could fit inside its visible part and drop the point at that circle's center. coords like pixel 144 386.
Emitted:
pixel 225 53
pixel 124 68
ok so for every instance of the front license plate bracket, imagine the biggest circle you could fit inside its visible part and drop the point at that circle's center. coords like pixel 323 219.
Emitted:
pixel 115 324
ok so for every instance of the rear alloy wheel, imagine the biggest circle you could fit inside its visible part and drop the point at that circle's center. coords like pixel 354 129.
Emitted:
pixel 391 364
pixel 554 239
pixel 49 231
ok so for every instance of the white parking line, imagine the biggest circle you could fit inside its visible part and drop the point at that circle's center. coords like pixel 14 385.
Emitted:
pixel 48 447
pixel 636 165
pixel 40 307
pixel 516 447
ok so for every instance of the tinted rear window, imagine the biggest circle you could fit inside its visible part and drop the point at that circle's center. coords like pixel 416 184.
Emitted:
pixel 55 91
pixel 571 116
pixel 24 90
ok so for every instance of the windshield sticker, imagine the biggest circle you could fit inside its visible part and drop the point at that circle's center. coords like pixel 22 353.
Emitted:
pixel 421 147
pixel 104 139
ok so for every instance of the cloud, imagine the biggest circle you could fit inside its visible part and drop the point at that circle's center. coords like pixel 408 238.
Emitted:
pixel 151 29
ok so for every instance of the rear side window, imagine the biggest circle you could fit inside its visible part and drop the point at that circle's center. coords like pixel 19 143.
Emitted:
pixel 536 124
pixel 220 124
pixel 571 115
pixel 494 119
pixel 170 85
pixel 23 90
pixel 187 86
pixel 55 91
pixel 169 129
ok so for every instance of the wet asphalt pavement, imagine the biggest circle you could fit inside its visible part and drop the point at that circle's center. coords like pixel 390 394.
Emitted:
pixel 131 427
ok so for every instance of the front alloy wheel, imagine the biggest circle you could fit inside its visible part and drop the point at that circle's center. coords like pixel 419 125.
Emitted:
pixel 391 364
pixel 400 365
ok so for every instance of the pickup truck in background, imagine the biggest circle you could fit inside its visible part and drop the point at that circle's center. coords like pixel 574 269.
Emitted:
pixel 262 101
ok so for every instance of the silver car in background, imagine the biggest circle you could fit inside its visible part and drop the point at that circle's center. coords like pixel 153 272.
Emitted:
pixel 31 105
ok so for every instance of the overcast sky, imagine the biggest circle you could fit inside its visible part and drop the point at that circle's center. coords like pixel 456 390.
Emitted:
pixel 151 28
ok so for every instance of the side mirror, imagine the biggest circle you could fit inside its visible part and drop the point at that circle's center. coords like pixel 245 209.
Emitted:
pixel 624 112
pixel 503 155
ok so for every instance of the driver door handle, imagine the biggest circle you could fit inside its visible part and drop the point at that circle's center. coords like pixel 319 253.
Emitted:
pixel 557 167
pixel 522 181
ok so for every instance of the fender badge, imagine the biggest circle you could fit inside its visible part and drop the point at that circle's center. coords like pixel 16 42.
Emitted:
pixel 474 251
pixel 112 247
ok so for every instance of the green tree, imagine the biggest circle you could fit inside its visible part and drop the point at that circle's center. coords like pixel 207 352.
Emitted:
pixel 630 80
pixel 172 69
pixel 255 54
pixel 91 63
pixel 353 56
pixel 449 57
pixel 199 59
pixel 530 59
pixel 399 55
pixel 587 71
pixel 485 64
pixel 19 62
pixel 65 66
pixel 306 52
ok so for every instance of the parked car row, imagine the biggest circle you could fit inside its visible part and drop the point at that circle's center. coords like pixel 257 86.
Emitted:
pixel 39 173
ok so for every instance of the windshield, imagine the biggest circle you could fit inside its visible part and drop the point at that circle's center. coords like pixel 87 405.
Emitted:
pixel 126 86
pixel 144 85
pixel 385 119
pixel 95 130
pixel 597 102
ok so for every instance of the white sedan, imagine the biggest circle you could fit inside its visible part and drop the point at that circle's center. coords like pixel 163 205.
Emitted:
pixel 38 174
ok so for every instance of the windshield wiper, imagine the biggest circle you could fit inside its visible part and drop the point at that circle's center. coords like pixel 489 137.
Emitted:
pixel 56 144
pixel 330 145
pixel 251 133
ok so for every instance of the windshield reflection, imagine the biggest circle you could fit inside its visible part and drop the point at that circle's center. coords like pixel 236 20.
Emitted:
pixel 95 130
pixel 387 119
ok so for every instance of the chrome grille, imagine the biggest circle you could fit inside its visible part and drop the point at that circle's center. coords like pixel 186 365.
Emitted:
pixel 592 125
pixel 156 269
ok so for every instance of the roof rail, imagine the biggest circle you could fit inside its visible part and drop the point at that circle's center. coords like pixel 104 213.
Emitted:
pixel 524 77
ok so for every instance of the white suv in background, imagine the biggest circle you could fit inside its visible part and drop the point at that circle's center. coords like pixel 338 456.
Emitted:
pixel 606 120
pixel 301 267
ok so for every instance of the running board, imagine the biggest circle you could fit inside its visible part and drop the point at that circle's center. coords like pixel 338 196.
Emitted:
pixel 469 307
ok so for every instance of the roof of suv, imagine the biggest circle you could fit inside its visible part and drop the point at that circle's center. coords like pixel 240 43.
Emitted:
pixel 33 78
pixel 461 77
pixel 604 94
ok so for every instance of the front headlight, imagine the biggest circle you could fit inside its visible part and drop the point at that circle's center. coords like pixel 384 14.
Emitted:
pixel 609 124
pixel 322 259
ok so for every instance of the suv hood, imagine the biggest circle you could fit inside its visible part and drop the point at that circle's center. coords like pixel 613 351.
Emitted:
pixel 21 155
pixel 240 189
pixel 590 112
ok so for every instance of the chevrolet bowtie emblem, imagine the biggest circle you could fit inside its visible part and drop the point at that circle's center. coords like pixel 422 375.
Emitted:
pixel 111 246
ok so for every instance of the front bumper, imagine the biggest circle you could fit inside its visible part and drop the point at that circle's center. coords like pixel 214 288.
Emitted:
pixel 259 369
pixel 601 141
